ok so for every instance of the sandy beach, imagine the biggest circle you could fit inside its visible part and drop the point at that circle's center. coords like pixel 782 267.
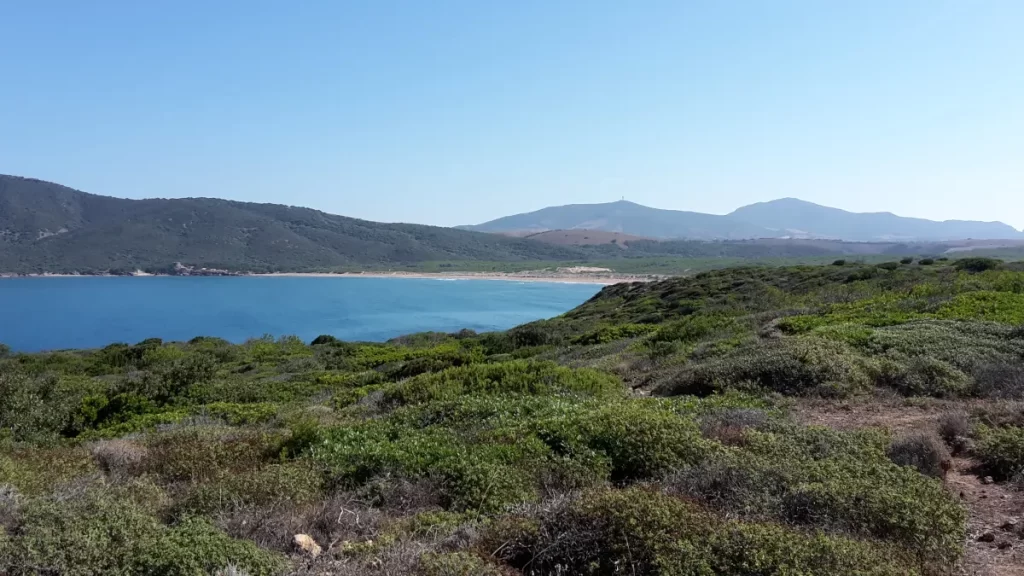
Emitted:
pixel 532 276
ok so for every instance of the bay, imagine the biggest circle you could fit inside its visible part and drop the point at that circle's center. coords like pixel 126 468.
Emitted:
pixel 88 312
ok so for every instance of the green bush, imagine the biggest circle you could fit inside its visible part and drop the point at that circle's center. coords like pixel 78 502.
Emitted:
pixel 1004 307
pixel 638 531
pixel 1001 451
pixel 922 376
pixel 607 334
pixel 32 409
pixel 457 564
pixel 116 532
pixel 792 366
pixel 977 264
pixel 519 377
pixel 472 476
pixel 641 440
pixel 324 339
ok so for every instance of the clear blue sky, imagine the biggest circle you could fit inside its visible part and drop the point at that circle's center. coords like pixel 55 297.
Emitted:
pixel 449 112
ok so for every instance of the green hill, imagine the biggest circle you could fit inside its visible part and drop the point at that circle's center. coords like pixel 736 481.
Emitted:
pixel 45 227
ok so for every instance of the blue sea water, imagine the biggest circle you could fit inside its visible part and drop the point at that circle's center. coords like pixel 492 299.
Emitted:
pixel 88 312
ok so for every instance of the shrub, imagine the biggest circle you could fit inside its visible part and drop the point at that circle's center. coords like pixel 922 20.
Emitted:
pixel 729 426
pixel 290 484
pixel 119 458
pixel 922 376
pixel 32 409
pixel 196 454
pixel 640 440
pixel 926 261
pixel 693 328
pixel 906 261
pixel 115 532
pixel 10 508
pixel 472 476
pixel 1002 380
pixel 607 334
pixel 733 486
pixel 324 339
pixel 1005 307
pixel 519 376
pixel 977 264
pixel 845 481
pixel 37 470
pixel 644 532
pixel 923 451
pixel 792 366
pixel 890 266
pixel 457 564
pixel 839 262
pixel 195 546
pixel 1001 451
pixel 954 426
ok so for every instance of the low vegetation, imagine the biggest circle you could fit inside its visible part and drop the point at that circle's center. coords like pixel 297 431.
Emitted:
pixel 646 432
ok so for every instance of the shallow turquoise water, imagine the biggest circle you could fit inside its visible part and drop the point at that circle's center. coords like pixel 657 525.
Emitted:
pixel 54 313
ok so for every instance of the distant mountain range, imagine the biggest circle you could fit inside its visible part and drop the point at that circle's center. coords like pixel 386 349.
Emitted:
pixel 49 228
pixel 785 218
pixel 46 227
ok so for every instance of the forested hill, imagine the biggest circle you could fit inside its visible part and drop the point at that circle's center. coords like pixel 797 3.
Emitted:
pixel 46 227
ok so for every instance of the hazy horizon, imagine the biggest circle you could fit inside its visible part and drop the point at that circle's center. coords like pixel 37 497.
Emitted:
pixel 458 112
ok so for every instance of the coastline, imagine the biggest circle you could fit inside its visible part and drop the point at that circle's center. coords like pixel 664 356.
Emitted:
pixel 563 277
pixel 531 276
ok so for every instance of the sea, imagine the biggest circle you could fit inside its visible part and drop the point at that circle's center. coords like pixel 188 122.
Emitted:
pixel 89 312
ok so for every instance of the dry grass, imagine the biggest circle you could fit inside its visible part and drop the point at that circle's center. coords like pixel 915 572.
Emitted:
pixel 10 507
pixel 121 458
pixel 922 450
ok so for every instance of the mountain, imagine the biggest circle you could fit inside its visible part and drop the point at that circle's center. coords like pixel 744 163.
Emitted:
pixel 785 218
pixel 627 218
pixel 46 227
pixel 793 217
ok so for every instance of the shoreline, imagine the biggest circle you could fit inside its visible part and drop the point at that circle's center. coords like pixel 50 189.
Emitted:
pixel 561 278
pixel 534 276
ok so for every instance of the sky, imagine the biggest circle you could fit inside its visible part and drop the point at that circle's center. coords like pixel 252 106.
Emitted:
pixel 460 111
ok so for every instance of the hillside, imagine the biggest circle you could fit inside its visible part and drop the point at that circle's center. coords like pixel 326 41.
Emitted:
pixel 799 218
pixel 52 228
pixel 583 237
pixel 814 420
pixel 785 218
pixel 627 218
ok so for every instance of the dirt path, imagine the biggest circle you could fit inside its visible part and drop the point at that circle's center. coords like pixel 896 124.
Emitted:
pixel 996 513
pixel 995 533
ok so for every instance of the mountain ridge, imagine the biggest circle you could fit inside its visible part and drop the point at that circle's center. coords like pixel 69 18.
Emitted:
pixel 781 218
